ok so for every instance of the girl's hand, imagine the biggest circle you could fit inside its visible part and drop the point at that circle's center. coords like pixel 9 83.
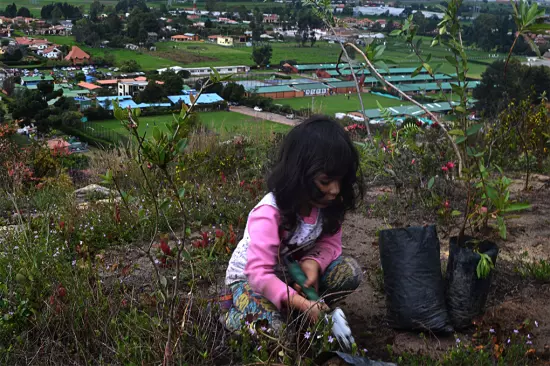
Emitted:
pixel 311 269
pixel 312 309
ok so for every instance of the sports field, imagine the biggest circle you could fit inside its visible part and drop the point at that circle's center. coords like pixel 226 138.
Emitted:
pixel 340 103
pixel 221 122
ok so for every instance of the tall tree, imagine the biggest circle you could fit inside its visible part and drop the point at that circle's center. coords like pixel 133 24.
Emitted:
pixel 261 55
pixel 56 14
pixel 11 11
pixel 24 12
pixel 96 8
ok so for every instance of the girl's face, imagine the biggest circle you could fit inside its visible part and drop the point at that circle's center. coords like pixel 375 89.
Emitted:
pixel 329 186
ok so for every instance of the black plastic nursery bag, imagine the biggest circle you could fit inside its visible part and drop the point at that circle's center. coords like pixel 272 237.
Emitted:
pixel 466 293
pixel 413 282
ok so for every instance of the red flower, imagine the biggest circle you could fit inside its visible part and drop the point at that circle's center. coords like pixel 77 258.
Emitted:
pixel 394 134
pixel 435 125
pixel 205 236
pixel 62 225
pixel 224 179
pixel 413 161
pixel 164 247
pixel 446 205
pixel 241 183
pixel 450 165
pixel 444 168
pixel 219 233
pixel 61 291
pixel 419 124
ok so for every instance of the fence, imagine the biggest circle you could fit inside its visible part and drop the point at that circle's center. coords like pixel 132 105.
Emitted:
pixel 95 135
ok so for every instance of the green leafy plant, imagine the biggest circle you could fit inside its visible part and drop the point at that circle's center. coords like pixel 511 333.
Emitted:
pixel 484 266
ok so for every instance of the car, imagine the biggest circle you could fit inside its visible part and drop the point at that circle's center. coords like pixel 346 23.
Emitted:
pixel 290 116
pixel 257 109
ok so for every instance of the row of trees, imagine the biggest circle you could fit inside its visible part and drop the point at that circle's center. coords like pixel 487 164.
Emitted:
pixel 11 11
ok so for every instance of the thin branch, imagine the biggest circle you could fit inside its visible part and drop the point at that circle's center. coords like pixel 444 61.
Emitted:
pixel 410 99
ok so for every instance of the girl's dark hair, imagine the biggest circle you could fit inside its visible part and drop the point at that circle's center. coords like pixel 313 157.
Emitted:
pixel 317 145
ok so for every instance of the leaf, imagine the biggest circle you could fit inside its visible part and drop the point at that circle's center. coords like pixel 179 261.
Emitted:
pixel 181 193
pixel 452 60
pixel 456 132
pixel 501 227
pixel 460 109
pixel 431 182
pixel 165 204
pixel 428 68
pixel 417 71
pixel 163 281
pixel 396 32
pixel 517 207
pixel 460 139
pixel 492 193
pixel 455 213
pixel 156 133
pixel 474 129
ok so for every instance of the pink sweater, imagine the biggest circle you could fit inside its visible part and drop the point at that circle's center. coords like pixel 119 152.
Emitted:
pixel 263 227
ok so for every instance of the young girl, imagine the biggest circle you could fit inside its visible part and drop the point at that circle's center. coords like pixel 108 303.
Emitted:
pixel 312 185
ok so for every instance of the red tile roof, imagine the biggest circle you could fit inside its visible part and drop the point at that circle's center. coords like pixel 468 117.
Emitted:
pixel 77 53
pixel 88 86
pixel 107 82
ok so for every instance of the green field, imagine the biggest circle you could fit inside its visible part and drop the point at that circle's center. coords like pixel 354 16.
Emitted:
pixel 209 54
pixel 224 123
pixel 191 54
pixel 340 103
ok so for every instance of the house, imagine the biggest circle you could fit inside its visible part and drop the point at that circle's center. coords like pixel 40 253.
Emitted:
pixel 205 71
pixel 382 22
pixel 131 46
pixel 68 24
pixel 57 30
pixel 271 18
pixel 34 80
pixel 214 38
pixel 88 86
pixel 187 37
pixel 131 88
pixel 225 41
pixel 52 52
pixel 77 57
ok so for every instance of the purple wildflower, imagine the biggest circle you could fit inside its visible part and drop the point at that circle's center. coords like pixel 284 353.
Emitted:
pixel 516 331
pixel 457 340
pixel 247 323
pixel 536 324
pixel 307 335
pixel 491 330
pixel 259 348
pixel 330 339
pixel 365 350
pixel 508 341
pixel 252 331
pixel 263 329
pixel 528 336
pixel 528 342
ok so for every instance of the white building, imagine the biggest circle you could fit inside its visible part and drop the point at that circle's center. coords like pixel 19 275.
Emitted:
pixel 131 88
pixel 51 53
pixel 205 71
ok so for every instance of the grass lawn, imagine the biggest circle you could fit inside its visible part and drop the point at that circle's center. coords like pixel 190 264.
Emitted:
pixel 223 123
pixel 340 103
pixel 209 54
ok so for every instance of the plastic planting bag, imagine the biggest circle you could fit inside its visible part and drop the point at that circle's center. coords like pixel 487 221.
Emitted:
pixel 466 293
pixel 413 282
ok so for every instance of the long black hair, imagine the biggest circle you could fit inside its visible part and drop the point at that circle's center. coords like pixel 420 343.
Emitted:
pixel 317 145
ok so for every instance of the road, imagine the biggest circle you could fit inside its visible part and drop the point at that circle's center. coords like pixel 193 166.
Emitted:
pixel 265 115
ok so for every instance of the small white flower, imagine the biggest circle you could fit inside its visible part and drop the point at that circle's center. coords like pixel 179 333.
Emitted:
pixel 74 262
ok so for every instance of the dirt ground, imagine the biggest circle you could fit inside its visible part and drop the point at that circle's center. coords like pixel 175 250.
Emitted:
pixel 512 299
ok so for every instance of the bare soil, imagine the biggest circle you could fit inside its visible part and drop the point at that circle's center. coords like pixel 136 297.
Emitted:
pixel 512 300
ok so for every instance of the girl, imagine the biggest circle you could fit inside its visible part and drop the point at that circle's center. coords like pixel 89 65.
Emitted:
pixel 312 185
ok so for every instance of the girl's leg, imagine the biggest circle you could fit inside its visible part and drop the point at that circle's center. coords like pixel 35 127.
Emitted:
pixel 341 277
pixel 249 307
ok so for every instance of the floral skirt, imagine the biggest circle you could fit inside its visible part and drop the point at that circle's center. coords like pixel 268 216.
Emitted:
pixel 340 278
